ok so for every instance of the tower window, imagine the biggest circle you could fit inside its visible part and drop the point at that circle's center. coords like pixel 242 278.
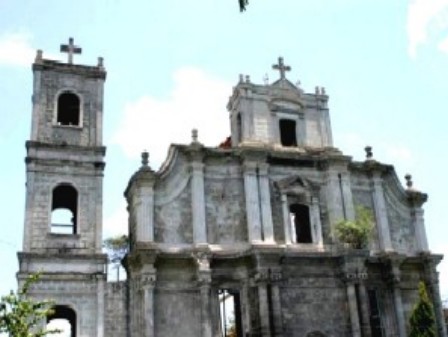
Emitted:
pixel 300 220
pixel 64 210
pixel 63 318
pixel 69 109
pixel 288 135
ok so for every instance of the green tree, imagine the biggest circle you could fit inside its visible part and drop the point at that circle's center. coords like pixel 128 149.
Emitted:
pixel 21 316
pixel 356 233
pixel 116 248
pixel 423 321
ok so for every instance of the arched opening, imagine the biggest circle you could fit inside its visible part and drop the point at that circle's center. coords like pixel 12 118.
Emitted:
pixel 63 318
pixel 300 220
pixel 288 135
pixel 69 109
pixel 64 210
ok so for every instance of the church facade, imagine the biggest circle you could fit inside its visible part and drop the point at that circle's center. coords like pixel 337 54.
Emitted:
pixel 249 224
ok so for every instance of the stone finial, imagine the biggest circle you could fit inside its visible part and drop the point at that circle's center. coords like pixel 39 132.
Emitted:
pixel 298 84
pixel 266 79
pixel 39 55
pixel 369 153
pixel 409 181
pixel 247 79
pixel 145 158
pixel 194 136
pixel 317 90
pixel 323 91
pixel 241 79
pixel 100 62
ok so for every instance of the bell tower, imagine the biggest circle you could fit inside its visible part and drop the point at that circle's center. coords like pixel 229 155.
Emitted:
pixel 64 176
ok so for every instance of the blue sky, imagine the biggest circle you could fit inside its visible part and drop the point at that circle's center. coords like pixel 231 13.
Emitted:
pixel 172 64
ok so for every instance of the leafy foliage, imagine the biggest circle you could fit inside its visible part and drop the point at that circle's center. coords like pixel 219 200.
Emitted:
pixel 356 233
pixel 21 316
pixel 243 4
pixel 423 321
pixel 116 248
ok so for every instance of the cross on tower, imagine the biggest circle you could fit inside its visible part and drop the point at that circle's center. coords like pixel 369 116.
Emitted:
pixel 70 49
pixel 281 67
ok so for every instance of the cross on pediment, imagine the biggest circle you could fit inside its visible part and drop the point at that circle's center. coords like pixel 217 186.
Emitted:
pixel 281 67
pixel 70 49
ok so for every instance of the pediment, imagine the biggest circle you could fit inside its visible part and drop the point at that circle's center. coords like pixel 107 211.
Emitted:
pixel 295 185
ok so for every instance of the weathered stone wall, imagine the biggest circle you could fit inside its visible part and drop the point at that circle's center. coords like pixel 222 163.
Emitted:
pixel 116 313
pixel 225 204
pixel 48 86
pixel 177 309
pixel 80 295
pixel 314 299
pixel 401 226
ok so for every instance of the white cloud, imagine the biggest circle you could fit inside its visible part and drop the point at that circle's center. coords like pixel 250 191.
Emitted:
pixel 117 222
pixel 197 100
pixel 16 50
pixel 443 46
pixel 425 17
pixel 399 154
pixel 388 152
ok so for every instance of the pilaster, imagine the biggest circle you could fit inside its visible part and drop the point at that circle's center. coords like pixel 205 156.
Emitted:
pixel 262 278
pixel 148 280
pixel 204 277
pixel 265 203
pixel 198 202
pixel 380 212
pixel 317 225
pixel 252 202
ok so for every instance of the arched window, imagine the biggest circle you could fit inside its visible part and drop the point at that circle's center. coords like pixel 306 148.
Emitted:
pixel 64 210
pixel 288 135
pixel 63 318
pixel 300 220
pixel 69 109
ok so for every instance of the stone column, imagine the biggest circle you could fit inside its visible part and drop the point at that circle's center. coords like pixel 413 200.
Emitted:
pixel 286 220
pixel 198 203
pixel 420 231
pixel 316 223
pixel 265 325
pixel 353 309
pixel 365 310
pixel 145 214
pixel 204 280
pixel 246 312
pixel 100 305
pixel 252 202
pixel 396 291
pixel 276 278
pixel 148 284
pixel 265 204
pixel 380 213
pixel 262 279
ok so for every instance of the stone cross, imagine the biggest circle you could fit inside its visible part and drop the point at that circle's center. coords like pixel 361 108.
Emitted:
pixel 70 49
pixel 281 67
